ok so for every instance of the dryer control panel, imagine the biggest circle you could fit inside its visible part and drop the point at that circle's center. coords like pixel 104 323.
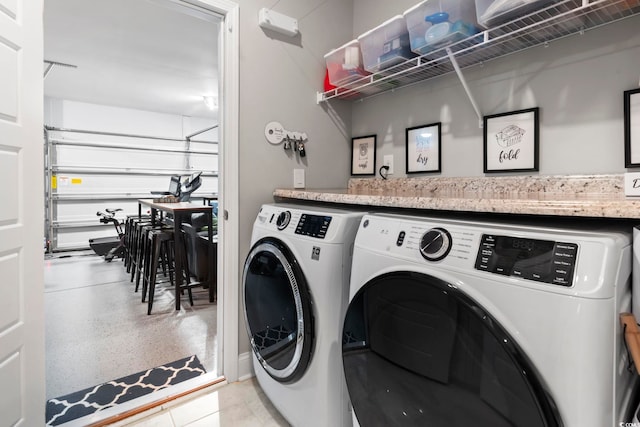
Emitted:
pixel 540 260
pixel 313 225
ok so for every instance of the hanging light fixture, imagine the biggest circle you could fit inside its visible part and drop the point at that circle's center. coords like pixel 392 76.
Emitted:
pixel 211 102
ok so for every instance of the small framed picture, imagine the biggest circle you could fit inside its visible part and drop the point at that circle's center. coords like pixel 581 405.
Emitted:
pixel 363 155
pixel 632 128
pixel 511 141
pixel 423 148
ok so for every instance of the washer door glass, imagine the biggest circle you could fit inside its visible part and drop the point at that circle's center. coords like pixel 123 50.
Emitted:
pixel 278 310
pixel 418 352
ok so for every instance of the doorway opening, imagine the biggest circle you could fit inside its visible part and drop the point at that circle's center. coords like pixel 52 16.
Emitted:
pixel 141 70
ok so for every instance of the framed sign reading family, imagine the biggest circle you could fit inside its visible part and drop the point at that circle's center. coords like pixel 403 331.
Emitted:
pixel 363 155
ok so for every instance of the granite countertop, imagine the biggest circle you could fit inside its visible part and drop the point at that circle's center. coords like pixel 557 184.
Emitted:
pixel 598 196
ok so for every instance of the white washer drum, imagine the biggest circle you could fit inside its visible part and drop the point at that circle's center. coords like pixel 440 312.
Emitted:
pixel 455 323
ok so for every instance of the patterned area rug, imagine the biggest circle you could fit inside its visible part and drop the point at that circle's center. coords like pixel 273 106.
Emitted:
pixel 81 403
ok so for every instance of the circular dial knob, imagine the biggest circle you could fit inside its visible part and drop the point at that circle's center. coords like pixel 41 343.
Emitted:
pixel 283 220
pixel 435 244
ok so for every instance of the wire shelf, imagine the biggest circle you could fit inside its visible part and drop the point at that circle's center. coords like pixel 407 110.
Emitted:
pixel 561 19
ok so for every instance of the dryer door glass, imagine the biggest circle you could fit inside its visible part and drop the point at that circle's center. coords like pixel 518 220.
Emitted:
pixel 277 310
pixel 418 352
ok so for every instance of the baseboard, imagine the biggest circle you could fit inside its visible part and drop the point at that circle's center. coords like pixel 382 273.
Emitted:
pixel 245 366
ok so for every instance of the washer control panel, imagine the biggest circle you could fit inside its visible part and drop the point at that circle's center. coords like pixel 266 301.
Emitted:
pixel 283 220
pixel 313 225
pixel 540 260
pixel 435 244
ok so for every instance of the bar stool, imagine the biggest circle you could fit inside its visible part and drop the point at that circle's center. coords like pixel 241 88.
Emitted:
pixel 159 249
pixel 197 251
pixel 139 243
pixel 130 238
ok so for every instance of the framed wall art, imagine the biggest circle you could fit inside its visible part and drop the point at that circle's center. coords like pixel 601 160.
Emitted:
pixel 511 141
pixel 423 148
pixel 363 155
pixel 632 128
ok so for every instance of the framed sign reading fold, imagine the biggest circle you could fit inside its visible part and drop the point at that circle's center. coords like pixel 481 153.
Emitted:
pixel 511 141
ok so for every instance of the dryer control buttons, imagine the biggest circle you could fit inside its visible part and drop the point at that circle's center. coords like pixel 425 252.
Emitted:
pixel 435 244
pixel 400 239
pixel 534 259
pixel 283 220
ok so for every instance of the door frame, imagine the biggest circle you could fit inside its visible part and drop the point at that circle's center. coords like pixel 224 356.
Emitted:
pixel 228 228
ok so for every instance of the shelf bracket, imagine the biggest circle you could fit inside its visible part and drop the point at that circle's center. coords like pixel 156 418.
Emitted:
pixel 456 67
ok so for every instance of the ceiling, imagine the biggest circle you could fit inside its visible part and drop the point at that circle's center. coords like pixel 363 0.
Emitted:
pixel 154 55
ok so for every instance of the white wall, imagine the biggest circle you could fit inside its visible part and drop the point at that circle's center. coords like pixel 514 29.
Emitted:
pixel 577 82
pixel 368 14
pixel 279 78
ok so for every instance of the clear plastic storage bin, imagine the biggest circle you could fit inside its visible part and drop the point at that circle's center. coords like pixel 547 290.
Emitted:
pixel 435 23
pixel 386 45
pixel 495 12
pixel 344 64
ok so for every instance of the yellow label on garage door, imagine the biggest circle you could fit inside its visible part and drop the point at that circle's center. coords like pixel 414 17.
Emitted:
pixel 76 180
pixel 54 182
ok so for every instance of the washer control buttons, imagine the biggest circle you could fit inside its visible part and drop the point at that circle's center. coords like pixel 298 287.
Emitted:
pixel 400 239
pixel 283 220
pixel 435 244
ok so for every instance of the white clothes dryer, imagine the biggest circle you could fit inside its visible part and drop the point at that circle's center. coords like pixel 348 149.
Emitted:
pixel 295 287
pixel 461 323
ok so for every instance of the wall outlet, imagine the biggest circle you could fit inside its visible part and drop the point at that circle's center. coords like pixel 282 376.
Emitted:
pixel 388 161
pixel 298 178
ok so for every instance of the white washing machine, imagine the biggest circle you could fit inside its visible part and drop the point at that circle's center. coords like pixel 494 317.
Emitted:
pixel 459 323
pixel 296 286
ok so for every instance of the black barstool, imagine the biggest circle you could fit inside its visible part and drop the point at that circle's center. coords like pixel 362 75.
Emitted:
pixel 159 248
pixel 140 243
pixel 130 241
pixel 197 251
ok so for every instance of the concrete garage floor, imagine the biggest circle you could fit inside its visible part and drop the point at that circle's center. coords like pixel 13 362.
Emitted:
pixel 97 329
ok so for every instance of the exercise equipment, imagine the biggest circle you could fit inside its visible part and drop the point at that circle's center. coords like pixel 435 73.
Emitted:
pixel 112 246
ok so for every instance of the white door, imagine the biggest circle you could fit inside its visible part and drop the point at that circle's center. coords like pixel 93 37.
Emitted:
pixel 22 387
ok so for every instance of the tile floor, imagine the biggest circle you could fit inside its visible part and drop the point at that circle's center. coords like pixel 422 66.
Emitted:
pixel 240 404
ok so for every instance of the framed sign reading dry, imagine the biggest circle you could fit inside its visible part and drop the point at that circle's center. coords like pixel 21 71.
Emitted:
pixel 423 148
